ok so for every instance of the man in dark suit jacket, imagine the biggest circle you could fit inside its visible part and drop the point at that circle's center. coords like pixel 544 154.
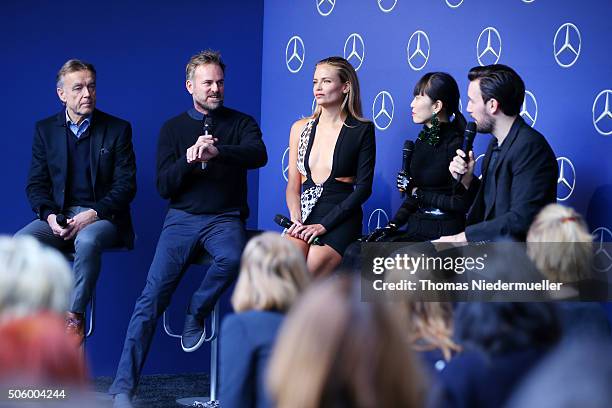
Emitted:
pixel 519 175
pixel 83 167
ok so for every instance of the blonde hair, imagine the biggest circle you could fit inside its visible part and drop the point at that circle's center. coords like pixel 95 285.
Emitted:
pixel 272 275
pixel 560 245
pixel 347 74
pixel 33 278
pixel 203 58
pixel 335 350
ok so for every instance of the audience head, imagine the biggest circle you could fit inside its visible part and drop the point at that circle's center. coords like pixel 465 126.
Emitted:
pixel 437 92
pixel 353 353
pixel 33 278
pixel 272 275
pixel 578 374
pixel 335 83
pixel 500 327
pixel 560 245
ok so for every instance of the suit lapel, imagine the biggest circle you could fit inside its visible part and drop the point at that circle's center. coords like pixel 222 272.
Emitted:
pixel 97 140
pixel 512 134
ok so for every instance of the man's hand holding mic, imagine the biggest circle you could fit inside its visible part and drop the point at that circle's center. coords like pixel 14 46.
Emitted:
pixel 203 150
pixel 462 169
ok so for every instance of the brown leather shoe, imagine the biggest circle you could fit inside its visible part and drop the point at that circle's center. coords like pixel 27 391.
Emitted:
pixel 75 325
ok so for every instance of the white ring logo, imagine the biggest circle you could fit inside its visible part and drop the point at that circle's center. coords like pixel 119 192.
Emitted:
pixel 603 120
pixel 493 47
pixel 565 181
pixel 285 165
pixel 420 52
pixel 478 166
pixel 529 111
pixel 314 105
pixel 528 1
pixel 387 9
pixel 453 4
pixel 603 260
pixel 295 60
pixel 328 7
pixel 357 50
pixel 566 54
pixel 377 215
pixel 382 110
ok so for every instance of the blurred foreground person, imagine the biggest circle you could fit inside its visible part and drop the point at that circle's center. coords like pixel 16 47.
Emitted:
pixel 272 276
pixel 336 351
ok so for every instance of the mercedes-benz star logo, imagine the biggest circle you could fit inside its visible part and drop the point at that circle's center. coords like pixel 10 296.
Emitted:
pixel 386 6
pixel 566 45
pixel 488 52
pixel 603 259
pixel 378 219
pixel 325 7
pixel 602 117
pixel 294 54
pixel 453 4
pixel 382 110
pixel 566 182
pixel 418 50
pixel 529 111
pixel 285 164
pixel 354 50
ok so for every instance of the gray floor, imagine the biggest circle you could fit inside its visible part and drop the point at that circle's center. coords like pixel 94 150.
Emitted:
pixel 161 391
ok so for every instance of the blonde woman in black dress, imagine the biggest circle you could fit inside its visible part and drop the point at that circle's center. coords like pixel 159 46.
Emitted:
pixel 331 168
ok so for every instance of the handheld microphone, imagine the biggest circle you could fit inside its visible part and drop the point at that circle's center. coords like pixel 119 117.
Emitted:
pixel 468 142
pixel 61 220
pixel 407 151
pixel 208 124
pixel 286 223
pixel 468 139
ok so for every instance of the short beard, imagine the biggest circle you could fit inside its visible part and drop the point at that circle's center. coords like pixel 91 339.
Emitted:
pixel 486 125
pixel 207 107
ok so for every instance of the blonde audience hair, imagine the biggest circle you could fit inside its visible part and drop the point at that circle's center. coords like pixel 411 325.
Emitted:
pixel 335 350
pixel 560 245
pixel 272 274
pixel 33 278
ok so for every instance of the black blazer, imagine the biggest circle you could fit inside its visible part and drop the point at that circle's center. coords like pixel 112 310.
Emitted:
pixel 113 169
pixel 525 179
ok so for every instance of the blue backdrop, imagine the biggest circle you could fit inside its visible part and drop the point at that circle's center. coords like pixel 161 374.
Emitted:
pixel 140 50
pixel 561 49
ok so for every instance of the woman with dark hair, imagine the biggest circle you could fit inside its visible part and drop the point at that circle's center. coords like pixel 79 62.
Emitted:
pixel 434 205
pixel 502 341
pixel 331 168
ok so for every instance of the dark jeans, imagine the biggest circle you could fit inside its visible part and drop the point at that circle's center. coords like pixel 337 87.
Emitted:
pixel 88 245
pixel 224 237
